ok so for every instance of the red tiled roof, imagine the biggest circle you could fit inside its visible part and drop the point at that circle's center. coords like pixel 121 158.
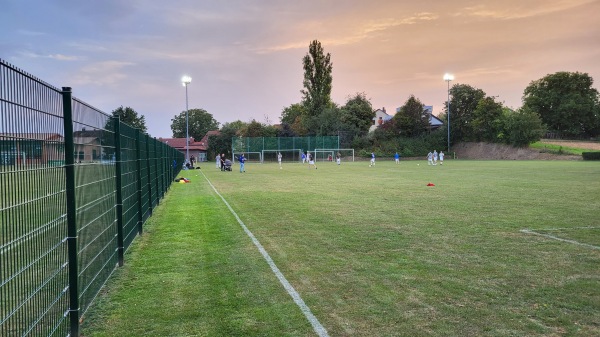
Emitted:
pixel 179 143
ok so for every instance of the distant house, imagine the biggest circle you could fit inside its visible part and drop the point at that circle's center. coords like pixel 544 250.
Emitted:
pixel 31 149
pixel 196 149
pixel 381 117
pixel 434 122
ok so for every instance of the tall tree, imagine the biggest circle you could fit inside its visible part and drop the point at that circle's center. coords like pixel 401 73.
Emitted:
pixel 286 131
pixel 488 120
pixel 200 122
pixel 293 115
pixel 411 120
pixel 317 79
pixel 566 102
pixel 357 114
pixel 462 105
pixel 129 116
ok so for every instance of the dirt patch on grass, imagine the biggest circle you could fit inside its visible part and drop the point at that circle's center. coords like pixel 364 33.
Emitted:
pixel 505 152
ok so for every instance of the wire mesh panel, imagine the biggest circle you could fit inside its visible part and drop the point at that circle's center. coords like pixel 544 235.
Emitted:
pixel 67 205
pixel 129 183
pixel 144 177
pixel 152 173
pixel 33 254
pixel 94 199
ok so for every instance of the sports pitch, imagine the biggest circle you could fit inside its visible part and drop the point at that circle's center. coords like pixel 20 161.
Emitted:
pixel 495 248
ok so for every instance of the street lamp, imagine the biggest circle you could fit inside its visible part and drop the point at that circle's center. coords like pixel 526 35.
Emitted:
pixel 448 78
pixel 185 80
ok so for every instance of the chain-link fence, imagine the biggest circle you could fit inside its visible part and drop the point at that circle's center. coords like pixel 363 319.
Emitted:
pixel 76 185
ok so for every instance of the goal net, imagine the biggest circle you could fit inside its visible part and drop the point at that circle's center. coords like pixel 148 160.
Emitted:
pixel 288 155
pixel 346 155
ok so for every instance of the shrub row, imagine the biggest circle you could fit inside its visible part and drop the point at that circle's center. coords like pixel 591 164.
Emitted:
pixel 590 155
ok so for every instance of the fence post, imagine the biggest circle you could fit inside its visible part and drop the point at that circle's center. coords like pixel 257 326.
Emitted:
pixel 119 194
pixel 150 206
pixel 71 211
pixel 158 177
pixel 138 153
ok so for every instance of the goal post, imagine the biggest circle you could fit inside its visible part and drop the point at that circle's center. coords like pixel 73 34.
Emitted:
pixel 324 155
pixel 287 155
pixel 345 154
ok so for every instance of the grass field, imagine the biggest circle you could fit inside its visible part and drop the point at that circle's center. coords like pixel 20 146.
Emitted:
pixel 371 251
pixel 565 147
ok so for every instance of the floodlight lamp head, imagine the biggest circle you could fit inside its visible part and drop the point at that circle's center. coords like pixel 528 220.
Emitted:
pixel 448 77
pixel 185 80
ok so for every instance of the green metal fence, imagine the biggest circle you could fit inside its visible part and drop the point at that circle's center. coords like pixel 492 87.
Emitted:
pixel 76 186
pixel 266 148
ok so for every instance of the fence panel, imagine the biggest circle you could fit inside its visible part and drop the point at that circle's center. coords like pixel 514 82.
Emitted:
pixel 129 183
pixel 33 253
pixel 68 208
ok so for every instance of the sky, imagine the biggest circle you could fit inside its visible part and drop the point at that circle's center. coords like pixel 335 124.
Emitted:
pixel 245 56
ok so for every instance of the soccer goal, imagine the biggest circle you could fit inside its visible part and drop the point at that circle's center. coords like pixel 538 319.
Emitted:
pixel 287 155
pixel 345 154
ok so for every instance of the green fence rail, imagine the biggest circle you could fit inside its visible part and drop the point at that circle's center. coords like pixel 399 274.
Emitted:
pixel 76 186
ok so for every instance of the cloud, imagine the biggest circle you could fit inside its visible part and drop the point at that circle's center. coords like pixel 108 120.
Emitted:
pixel 58 57
pixel 521 10
pixel 61 57
pixel 364 31
pixel 30 33
pixel 102 73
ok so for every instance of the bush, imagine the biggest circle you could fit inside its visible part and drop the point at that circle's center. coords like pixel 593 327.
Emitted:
pixel 522 127
pixel 590 155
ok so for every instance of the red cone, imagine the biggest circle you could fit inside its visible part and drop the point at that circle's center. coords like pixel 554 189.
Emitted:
pixel 430 184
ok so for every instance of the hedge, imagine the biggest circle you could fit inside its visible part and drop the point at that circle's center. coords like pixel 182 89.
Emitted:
pixel 590 155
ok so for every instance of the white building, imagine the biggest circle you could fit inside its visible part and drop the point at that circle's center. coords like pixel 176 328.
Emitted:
pixel 380 118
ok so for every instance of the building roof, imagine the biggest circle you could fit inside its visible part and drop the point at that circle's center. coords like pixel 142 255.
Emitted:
pixel 381 112
pixel 180 143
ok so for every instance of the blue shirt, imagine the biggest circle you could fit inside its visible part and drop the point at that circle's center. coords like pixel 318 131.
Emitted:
pixel 242 159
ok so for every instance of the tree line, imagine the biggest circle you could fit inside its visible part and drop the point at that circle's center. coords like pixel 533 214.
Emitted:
pixel 564 104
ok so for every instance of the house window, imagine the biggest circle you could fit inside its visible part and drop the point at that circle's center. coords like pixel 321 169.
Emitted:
pixel 380 120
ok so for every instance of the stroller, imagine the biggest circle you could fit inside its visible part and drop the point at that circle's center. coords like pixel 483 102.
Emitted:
pixel 227 165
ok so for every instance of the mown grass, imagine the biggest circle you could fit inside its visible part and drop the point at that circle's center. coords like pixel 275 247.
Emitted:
pixel 372 251
pixel 558 149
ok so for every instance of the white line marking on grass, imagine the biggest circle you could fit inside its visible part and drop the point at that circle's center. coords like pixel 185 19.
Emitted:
pixel 319 329
pixel 528 231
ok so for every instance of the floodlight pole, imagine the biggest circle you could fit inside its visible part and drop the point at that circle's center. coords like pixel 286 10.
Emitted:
pixel 448 78
pixel 185 81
